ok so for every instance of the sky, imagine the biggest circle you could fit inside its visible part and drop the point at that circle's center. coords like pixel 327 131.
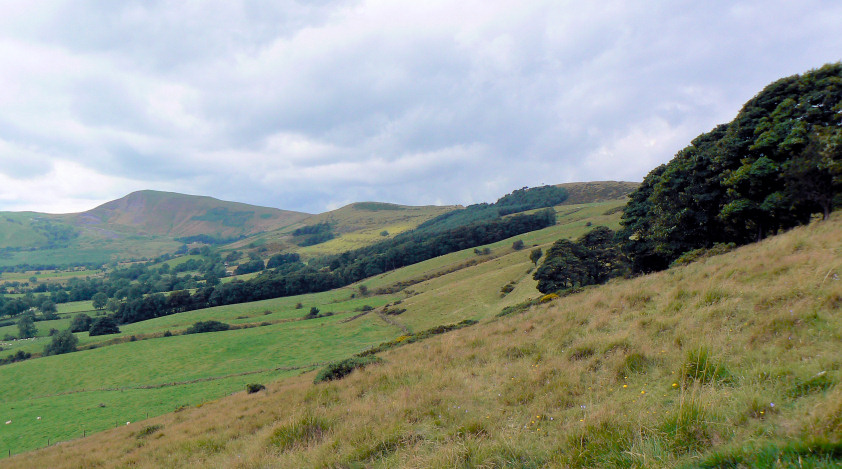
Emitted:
pixel 311 105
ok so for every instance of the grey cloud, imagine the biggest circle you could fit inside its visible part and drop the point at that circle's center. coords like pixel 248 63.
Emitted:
pixel 303 105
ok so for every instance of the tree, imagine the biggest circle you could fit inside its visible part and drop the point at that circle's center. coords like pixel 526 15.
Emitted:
pixel 535 255
pixel 249 267
pixel 26 326
pixel 280 259
pixel 113 305
pixel 14 307
pixel 592 259
pixel 48 309
pixel 63 342
pixel 517 245
pixel 100 300
pixel 816 176
pixel 104 325
pixel 314 313
pixel 562 268
pixel 80 323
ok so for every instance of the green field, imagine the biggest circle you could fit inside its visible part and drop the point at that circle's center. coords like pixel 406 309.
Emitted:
pixel 50 387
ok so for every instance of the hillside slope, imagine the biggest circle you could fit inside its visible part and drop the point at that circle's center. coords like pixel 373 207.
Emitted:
pixel 178 215
pixel 597 191
pixel 734 360
pixel 355 225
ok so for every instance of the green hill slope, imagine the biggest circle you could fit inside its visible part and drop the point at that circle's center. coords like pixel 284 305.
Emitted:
pixel 732 360
pixel 353 226
pixel 180 215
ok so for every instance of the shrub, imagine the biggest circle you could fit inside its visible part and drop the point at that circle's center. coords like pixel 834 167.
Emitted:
pixel 343 368
pixel 314 313
pixel 207 326
pixel 102 326
pixel 697 254
pixel 517 245
pixel 252 388
pixel 18 356
pixel 146 431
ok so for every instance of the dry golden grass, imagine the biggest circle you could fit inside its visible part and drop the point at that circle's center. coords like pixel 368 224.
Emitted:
pixel 735 354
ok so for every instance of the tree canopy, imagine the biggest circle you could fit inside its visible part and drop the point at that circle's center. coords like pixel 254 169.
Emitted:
pixel 771 168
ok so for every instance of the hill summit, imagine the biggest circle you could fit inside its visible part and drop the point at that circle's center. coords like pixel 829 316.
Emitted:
pixel 178 215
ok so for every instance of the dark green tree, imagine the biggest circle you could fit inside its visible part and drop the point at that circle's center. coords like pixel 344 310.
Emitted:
pixel 562 267
pixel 63 342
pixel 26 326
pixel 100 300
pixel 535 255
pixel 48 309
pixel 103 326
pixel 80 323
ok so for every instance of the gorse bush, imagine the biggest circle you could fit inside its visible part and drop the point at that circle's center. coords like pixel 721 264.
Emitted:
pixel 342 369
pixel 252 388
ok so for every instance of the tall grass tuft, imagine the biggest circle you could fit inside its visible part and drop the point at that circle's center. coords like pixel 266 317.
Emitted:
pixel 300 433
pixel 699 366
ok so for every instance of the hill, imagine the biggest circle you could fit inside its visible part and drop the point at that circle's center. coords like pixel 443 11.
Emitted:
pixel 597 191
pixel 179 215
pixel 352 226
pixel 731 361
pixel 142 224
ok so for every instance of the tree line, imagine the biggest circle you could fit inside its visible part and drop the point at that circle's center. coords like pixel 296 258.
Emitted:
pixel 775 166
pixel 329 272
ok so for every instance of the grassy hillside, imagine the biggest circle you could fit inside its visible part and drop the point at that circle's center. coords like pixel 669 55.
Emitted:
pixel 355 225
pixel 734 360
pixel 179 215
pixel 597 191
pixel 441 299
pixel 364 223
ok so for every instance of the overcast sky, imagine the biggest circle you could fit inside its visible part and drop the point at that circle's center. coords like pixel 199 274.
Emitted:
pixel 309 105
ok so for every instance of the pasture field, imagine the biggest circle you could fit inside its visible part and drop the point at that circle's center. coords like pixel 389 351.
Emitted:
pixel 52 386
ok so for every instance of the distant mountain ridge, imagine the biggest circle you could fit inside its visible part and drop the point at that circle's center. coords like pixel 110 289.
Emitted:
pixel 148 223
pixel 178 215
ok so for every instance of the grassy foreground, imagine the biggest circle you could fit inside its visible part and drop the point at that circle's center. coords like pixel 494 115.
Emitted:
pixel 730 362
